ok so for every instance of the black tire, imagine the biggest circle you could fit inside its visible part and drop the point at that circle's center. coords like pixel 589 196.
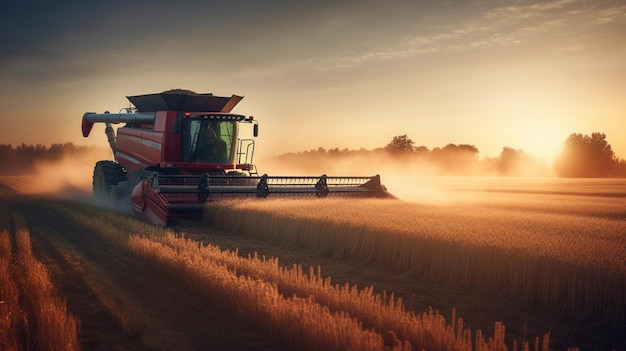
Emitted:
pixel 105 175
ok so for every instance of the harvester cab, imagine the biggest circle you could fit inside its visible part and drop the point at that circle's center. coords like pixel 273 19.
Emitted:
pixel 179 150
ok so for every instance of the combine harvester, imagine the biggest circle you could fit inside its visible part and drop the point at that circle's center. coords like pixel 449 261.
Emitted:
pixel 179 150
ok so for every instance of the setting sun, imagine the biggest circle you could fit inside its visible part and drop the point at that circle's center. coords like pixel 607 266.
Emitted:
pixel 543 137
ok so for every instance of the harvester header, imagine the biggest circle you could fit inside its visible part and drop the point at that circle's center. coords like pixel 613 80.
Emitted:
pixel 179 150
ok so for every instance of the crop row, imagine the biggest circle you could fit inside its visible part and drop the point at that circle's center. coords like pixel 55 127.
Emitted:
pixel 305 310
pixel 571 264
pixel 32 315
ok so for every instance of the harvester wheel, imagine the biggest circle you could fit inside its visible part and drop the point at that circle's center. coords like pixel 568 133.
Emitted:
pixel 113 197
pixel 105 175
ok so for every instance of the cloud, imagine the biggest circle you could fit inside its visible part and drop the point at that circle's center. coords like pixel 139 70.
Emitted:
pixel 252 40
pixel 611 14
pixel 496 27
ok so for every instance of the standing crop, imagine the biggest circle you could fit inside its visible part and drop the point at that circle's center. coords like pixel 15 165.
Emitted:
pixel 32 316
pixel 303 310
pixel 567 258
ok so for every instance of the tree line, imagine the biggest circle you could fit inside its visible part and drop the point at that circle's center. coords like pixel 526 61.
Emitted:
pixel 23 159
pixel 582 156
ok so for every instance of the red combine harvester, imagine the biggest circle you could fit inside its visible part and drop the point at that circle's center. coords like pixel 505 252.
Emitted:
pixel 179 150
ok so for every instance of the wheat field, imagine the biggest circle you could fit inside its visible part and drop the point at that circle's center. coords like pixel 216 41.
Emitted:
pixel 559 245
pixel 562 249
pixel 299 307
pixel 306 310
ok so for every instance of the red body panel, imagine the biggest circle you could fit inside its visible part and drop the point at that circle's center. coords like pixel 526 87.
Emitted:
pixel 165 121
pixel 151 145
pixel 138 148
pixel 149 204
pixel 170 153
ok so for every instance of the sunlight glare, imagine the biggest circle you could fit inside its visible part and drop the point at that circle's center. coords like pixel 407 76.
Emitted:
pixel 541 138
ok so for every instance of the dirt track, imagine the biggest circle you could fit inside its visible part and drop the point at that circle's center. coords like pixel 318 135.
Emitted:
pixel 124 304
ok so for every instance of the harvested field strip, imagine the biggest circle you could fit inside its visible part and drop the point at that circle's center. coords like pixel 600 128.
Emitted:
pixel 32 316
pixel 577 261
pixel 320 315
pixel 124 303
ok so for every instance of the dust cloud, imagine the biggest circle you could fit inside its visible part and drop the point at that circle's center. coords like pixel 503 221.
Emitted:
pixel 70 177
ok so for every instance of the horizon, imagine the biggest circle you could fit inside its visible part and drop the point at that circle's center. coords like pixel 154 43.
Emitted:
pixel 482 157
pixel 315 149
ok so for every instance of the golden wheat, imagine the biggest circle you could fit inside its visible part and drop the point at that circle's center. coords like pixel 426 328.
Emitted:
pixel 305 309
pixel 10 314
pixel 300 322
pixel 212 271
pixel 32 316
pixel 577 261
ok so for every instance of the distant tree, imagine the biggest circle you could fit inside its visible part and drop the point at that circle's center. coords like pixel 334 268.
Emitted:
pixel 421 150
pixel 455 159
pixel 23 158
pixel 7 158
pixel 509 161
pixel 400 144
pixel 620 168
pixel 334 151
pixel 585 156
pixel 515 162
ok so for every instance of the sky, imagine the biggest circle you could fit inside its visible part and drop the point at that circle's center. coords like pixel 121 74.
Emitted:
pixel 346 74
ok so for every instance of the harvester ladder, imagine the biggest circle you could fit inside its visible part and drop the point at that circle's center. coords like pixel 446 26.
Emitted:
pixel 253 171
